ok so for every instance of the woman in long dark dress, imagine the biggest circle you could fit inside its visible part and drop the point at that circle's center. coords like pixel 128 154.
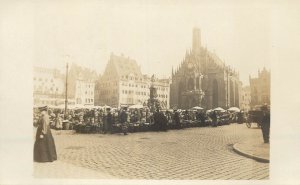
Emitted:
pixel 44 146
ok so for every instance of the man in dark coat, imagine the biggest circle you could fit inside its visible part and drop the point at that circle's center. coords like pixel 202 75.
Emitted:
pixel 109 121
pixel 123 120
pixel 163 122
pixel 265 126
pixel 177 119
pixel 214 118
pixel 157 121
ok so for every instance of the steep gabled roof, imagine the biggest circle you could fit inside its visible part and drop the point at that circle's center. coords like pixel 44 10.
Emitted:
pixel 216 59
pixel 121 66
pixel 82 73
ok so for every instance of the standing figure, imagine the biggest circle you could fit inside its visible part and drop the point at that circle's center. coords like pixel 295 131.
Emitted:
pixel 44 146
pixel 163 122
pixel 58 121
pixel 157 120
pixel 214 118
pixel 123 120
pixel 177 119
pixel 109 121
pixel 265 126
pixel 240 117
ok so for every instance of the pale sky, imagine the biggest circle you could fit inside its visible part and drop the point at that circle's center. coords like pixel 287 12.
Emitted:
pixel 155 34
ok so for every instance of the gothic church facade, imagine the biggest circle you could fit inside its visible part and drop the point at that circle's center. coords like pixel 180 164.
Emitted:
pixel 203 79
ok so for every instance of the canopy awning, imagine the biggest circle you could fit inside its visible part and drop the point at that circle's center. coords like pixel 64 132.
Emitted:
pixel 219 109
pixel 235 109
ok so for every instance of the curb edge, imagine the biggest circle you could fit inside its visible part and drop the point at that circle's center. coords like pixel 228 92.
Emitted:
pixel 259 159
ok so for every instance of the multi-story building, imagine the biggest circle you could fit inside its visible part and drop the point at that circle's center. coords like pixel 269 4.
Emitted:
pixel 123 83
pixel 245 98
pixel 203 79
pixel 260 88
pixel 81 85
pixel 49 87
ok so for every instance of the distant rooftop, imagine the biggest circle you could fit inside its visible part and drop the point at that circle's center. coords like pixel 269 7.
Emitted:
pixel 83 73
pixel 124 65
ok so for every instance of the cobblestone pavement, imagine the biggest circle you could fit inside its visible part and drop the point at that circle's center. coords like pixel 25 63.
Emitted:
pixel 193 153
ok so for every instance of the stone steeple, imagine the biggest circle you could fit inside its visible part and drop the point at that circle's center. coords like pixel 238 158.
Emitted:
pixel 196 40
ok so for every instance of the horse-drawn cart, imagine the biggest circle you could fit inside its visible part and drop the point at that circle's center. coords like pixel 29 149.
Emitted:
pixel 254 116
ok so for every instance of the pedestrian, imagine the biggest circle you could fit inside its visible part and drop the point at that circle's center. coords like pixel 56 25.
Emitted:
pixel 58 121
pixel 109 121
pixel 177 120
pixel 214 118
pixel 163 122
pixel 240 117
pixel 265 126
pixel 157 120
pixel 44 146
pixel 123 120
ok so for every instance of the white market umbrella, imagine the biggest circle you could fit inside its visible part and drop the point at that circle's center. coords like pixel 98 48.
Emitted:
pixel 197 108
pixel 235 109
pixel 219 109
pixel 106 106
pixel 79 106
pixel 137 106
pixel 208 111
pixel 89 106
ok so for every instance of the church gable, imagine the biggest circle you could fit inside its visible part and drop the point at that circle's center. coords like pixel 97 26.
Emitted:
pixel 201 80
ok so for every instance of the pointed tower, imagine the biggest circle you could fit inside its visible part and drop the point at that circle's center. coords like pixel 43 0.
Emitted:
pixel 196 40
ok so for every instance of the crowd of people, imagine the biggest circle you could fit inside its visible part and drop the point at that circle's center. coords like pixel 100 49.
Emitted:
pixel 112 120
pixel 126 120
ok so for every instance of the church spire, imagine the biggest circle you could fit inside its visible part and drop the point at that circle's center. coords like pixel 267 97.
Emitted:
pixel 196 40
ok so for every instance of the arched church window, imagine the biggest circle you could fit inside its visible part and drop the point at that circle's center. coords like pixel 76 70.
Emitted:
pixel 215 94
pixel 190 84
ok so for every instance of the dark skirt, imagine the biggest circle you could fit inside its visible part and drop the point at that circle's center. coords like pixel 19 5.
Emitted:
pixel 44 148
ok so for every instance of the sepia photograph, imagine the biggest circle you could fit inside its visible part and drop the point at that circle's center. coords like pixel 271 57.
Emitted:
pixel 152 90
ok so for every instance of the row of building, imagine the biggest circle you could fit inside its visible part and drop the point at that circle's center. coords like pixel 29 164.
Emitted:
pixel 201 79
pixel 122 83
